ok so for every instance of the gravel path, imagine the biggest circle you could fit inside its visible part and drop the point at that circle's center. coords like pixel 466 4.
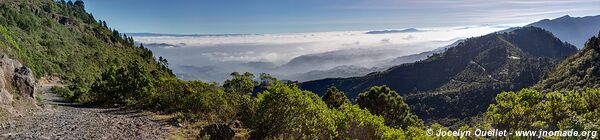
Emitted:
pixel 60 120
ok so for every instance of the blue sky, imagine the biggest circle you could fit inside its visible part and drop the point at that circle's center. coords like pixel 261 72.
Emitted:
pixel 284 16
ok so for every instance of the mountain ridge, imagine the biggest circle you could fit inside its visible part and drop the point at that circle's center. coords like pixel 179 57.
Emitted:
pixel 575 30
pixel 476 69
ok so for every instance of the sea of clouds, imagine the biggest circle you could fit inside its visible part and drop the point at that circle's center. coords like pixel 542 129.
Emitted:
pixel 299 56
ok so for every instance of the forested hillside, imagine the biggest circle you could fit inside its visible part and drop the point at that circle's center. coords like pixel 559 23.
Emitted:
pixel 577 72
pixel 61 39
pixel 462 81
pixel 566 99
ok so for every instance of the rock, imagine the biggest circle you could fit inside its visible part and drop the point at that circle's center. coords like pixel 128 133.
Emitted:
pixel 15 80
pixel 219 131
pixel 24 81
pixel 62 19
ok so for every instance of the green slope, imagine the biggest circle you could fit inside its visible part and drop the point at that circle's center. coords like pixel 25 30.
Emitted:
pixel 566 99
pixel 62 39
pixel 577 72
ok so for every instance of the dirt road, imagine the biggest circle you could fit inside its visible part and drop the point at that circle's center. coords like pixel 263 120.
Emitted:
pixel 61 120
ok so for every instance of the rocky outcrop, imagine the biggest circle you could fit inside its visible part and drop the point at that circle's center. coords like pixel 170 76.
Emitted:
pixel 24 81
pixel 16 82
pixel 219 132
pixel 62 19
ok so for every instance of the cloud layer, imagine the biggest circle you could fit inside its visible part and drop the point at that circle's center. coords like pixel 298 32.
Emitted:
pixel 211 58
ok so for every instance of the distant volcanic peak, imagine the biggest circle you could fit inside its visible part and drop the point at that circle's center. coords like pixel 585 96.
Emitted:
pixel 394 31
pixel 564 17
pixel 411 30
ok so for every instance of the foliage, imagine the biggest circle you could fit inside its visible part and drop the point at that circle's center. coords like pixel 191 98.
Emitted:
pixel 381 100
pixel 334 98
pixel 532 110
pixel 355 123
pixel 240 83
pixel 62 91
pixel 284 111
pixel 61 38
pixel 193 97
pixel 124 85
pixel 72 93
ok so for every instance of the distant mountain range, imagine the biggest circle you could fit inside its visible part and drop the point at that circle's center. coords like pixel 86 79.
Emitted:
pixel 421 56
pixel 345 71
pixel 462 81
pixel 409 30
pixel 575 30
pixel 338 72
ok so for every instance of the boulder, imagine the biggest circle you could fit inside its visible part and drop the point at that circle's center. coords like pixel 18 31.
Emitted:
pixel 219 131
pixel 24 81
pixel 15 81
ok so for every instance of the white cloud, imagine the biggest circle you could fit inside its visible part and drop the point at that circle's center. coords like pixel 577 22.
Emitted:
pixel 230 52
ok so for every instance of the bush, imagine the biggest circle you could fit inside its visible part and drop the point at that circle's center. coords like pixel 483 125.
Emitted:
pixel 124 86
pixel 286 112
pixel 73 93
pixel 193 97
pixel 530 109
pixel 240 83
pixel 516 110
pixel 356 123
pixel 334 98
pixel 381 100
pixel 81 95
pixel 171 95
pixel 63 92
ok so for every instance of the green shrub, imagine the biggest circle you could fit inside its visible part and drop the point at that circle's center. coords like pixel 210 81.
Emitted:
pixel 207 100
pixel 124 86
pixel 381 100
pixel 334 98
pixel 73 93
pixel 394 134
pixel 240 83
pixel 63 92
pixel 81 95
pixel 516 110
pixel 286 112
pixel 530 109
pixel 355 123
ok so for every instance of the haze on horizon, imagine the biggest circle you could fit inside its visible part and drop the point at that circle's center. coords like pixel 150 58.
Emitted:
pixel 288 16
pixel 313 39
